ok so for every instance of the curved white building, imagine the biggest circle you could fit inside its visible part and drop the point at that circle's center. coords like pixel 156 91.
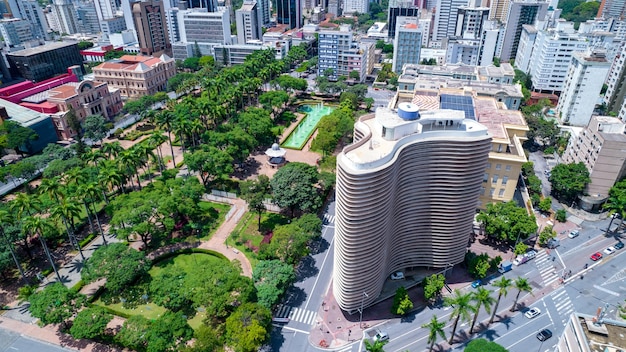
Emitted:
pixel 407 192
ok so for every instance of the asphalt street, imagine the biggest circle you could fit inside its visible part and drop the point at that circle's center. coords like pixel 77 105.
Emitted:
pixel 12 342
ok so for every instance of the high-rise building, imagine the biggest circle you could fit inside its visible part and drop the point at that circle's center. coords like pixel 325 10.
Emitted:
pixel 51 19
pixel 66 13
pixel 407 43
pixel 615 96
pixel 399 8
pixel 265 12
pixel 249 26
pixel 196 29
pixel 337 51
pixel 470 22
pixel 46 61
pixel 87 16
pixel 446 18
pixel 355 6
pixel 585 77
pixel 113 25
pixel 526 47
pixel 612 9
pixel 289 12
pixel 209 5
pixel 398 185
pixel 105 8
pixel 520 12
pixel 499 10
pixel 552 53
pixel 15 31
pixel 31 11
pixel 151 27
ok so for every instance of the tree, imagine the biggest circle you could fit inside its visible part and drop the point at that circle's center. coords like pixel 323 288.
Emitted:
pixel 507 221
pixel 435 328
pixel 354 75
pixel 401 302
pixel 616 204
pixel 521 285
pixel 169 332
pixel 546 235
pixel 433 285
pixel 521 248
pixel 55 304
pixel 119 264
pixel 95 128
pixel 6 218
pixel 569 180
pixel 482 298
pixel 503 286
pixel 248 327
pixel 134 332
pixel 461 309
pixel 376 346
pixel 272 278
pixel 90 323
pixel 210 162
pixel 483 345
pixel 38 225
pixel 255 192
pixel 16 137
pixel 545 205
pixel 293 187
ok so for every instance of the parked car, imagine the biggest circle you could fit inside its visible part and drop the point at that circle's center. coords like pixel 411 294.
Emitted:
pixel 381 336
pixel 618 245
pixel 553 243
pixel 544 335
pixel 398 275
pixel 596 256
pixel 573 234
pixel 532 312
pixel 531 254
pixel 476 283
pixel 520 259
pixel 609 250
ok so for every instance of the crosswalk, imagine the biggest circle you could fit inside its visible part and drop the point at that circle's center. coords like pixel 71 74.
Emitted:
pixel 545 265
pixel 328 219
pixel 300 315
pixel 563 305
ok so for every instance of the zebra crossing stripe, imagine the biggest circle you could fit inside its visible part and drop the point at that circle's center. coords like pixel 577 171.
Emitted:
pixel 560 305
pixel 559 294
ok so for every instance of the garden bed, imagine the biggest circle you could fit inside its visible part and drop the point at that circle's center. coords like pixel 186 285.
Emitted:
pixel 247 238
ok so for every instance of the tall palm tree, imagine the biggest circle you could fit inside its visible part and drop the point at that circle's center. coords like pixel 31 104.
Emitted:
pixel 616 204
pixel 112 149
pixel 503 286
pixel 376 346
pixel 91 195
pixel 155 140
pixel 52 187
pixel 25 204
pixel 38 225
pixel 65 210
pixel 435 329
pixel 462 307
pixel 482 298
pixel 5 219
pixel 165 119
pixel 521 285
pixel 130 159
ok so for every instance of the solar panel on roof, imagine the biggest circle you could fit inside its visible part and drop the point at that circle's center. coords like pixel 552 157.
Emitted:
pixel 459 103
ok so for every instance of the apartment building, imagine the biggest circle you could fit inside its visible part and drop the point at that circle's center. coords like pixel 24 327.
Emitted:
pixel 66 13
pixel 551 56
pixel 520 12
pixel 407 173
pixel 249 22
pixel 400 8
pixel 197 26
pixel 601 146
pixel 136 76
pixel 615 96
pixel 289 12
pixel 446 18
pixel 356 6
pixel 151 27
pixel 15 31
pixel 339 52
pixel 583 83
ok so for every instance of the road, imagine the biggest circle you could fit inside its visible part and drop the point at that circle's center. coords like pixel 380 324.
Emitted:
pixel 12 342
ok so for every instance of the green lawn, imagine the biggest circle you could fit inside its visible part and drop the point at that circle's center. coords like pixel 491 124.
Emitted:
pixel 217 212
pixel 247 233
pixel 187 262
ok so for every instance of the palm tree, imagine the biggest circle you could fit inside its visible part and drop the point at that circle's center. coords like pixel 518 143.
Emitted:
pixel 109 176
pixel 37 225
pixel 521 285
pixel 91 195
pixel 616 204
pixel 66 210
pixel 155 140
pixel 112 149
pixel 435 329
pixel 503 286
pixel 53 187
pixel 130 159
pixel 376 346
pixel 461 304
pixel 25 204
pixel 483 298
pixel 165 119
pixel 5 219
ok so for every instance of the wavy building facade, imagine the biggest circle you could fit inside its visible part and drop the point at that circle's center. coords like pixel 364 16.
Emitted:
pixel 407 191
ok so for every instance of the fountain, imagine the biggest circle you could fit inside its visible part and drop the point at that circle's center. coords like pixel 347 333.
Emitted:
pixel 301 134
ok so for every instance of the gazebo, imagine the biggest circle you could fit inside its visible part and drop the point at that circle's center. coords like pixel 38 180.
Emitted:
pixel 276 156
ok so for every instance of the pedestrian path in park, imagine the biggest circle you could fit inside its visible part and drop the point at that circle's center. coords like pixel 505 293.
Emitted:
pixel 546 268
pixel 563 305
pixel 300 315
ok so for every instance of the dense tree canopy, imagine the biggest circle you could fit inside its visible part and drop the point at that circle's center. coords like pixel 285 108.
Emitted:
pixel 55 304
pixel 507 221
pixel 483 345
pixel 90 323
pixel 293 187
pixel 248 327
pixel 569 181
pixel 118 263
pixel 271 279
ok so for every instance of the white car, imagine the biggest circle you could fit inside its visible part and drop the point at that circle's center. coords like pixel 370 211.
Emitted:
pixel 398 275
pixel 609 250
pixel 533 312
pixel 573 234
pixel 381 336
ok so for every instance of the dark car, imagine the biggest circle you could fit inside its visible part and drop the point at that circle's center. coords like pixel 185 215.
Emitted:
pixel 544 335
pixel 476 283
pixel 618 245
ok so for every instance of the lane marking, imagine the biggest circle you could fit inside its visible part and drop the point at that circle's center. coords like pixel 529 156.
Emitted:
pixel 306 305
pixel 606 290
pixel 289 328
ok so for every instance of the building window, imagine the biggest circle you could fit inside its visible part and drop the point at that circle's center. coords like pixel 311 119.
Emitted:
pixel 501 193
pixel 498 166
pixel 494 179
pixel 482 191
pixel 488 165
pixel 508 168
pixel 505 179
pixel 493 190
pixel 485 177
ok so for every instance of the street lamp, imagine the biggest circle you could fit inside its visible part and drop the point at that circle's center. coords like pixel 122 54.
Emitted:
pixel 361 310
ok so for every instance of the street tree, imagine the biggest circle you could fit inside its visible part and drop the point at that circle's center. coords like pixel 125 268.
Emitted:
pixel 507 221
pixel 461 309
pixel 569 181
pixel 376 346
pixel 546 235
pixel 521 285
pixel 248 327
pixel 483 345
pixel 482 298
pixel 90 323
pixel 294 187
pixel 432 287
pixel 616 204
pixel 435 328
pixel 118 263
pixel 271 279
pixel 55 304
pixel 402 303
pixel 503 286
